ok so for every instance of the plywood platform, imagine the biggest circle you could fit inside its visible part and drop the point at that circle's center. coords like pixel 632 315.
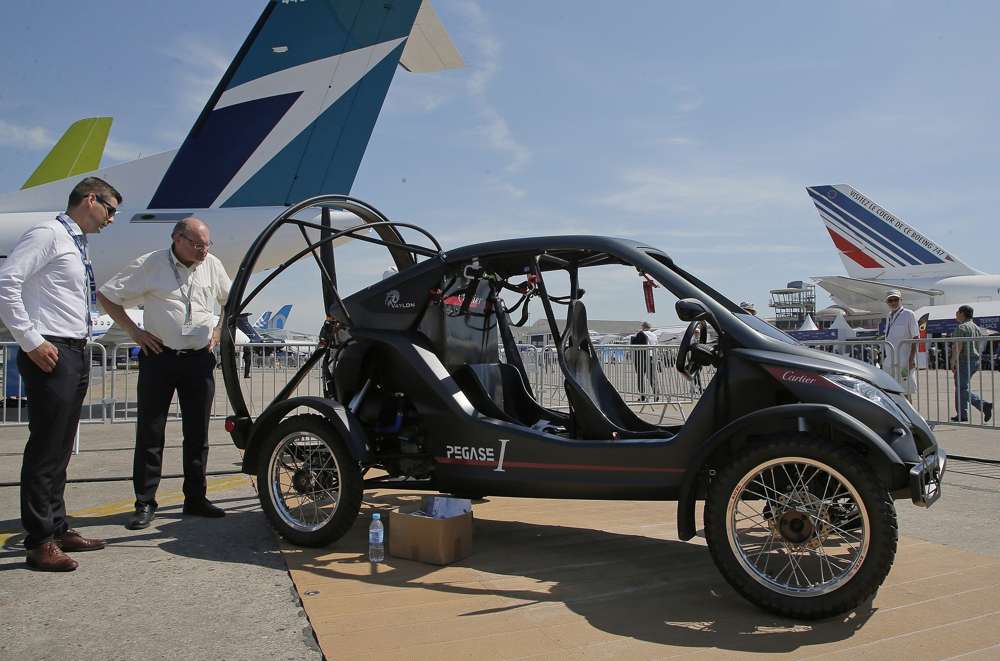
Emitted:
pixel 602 580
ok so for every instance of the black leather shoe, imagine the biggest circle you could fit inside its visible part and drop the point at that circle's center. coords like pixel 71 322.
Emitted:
pixel 204 508
pixel 987 412
pixel 144 515
pixel 955 418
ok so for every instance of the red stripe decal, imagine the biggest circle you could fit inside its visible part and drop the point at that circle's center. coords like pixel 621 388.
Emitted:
pixel 852 251
pixel 571 467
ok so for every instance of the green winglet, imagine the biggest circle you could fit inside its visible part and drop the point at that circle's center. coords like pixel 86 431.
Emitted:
pixel 79 150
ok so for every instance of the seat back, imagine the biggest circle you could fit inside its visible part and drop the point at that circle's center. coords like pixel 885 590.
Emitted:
pixel 497 390
pixel 599 412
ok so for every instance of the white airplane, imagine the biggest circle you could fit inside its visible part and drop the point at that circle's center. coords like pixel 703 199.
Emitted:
pixel 881 252
pixel 290 119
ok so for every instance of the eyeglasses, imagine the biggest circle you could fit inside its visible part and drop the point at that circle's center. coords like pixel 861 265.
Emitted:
pixel 892 300
pixel 107 207
pixel 196 245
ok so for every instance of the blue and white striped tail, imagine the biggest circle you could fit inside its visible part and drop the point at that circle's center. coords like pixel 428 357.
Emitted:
pixel 293 114
pixel 874 243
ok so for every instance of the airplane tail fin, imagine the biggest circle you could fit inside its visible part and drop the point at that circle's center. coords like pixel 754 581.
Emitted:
pixel 280 318
pixel 874 244
pixel 262 320
pixel 293 114
pixel 79 150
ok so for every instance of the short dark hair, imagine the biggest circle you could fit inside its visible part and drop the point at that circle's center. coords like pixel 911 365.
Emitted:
pixel 966 310
pixel 94 185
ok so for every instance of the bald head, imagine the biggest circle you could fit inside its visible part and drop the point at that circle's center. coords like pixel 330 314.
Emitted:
pixel 191 240
pixel 189 224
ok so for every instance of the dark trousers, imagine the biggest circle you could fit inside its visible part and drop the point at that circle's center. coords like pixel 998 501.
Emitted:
pixel 54 400
pixel 191 376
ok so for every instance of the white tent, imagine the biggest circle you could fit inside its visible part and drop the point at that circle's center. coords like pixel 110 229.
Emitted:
pixel 808 324
pixel 844 330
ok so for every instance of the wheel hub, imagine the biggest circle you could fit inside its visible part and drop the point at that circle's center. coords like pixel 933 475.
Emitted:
pixel 803 521
pixel 795 527
pixel 304 481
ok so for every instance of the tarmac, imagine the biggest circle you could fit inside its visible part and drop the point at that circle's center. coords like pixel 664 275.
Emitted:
pixel 547 579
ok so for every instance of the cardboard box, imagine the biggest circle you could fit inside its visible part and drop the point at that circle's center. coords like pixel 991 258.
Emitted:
pixel 421 538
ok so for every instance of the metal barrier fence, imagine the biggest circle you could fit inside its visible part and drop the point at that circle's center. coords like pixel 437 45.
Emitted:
pixel 15 411
pixel 645 376
pixel 265 369
pixel 933 385
pixel 939 386
pixel 114 376
pixel 876 352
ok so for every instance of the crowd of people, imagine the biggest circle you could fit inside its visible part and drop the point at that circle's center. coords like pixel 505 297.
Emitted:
pixel 47 295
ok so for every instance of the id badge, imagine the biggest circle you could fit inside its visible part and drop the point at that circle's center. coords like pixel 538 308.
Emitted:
pixel 189 329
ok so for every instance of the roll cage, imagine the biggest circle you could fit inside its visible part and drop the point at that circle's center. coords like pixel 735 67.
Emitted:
pixel 478 271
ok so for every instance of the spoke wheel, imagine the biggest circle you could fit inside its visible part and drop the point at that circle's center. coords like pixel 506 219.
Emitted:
pixel 801 527
pixel 310 486
pixel 797 526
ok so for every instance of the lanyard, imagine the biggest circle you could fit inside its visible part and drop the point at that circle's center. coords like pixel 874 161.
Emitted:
pixel 892 320
pixel 81 245
pixel 180 286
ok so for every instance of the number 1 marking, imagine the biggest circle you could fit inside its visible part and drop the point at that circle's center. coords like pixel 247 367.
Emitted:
pixel 503 451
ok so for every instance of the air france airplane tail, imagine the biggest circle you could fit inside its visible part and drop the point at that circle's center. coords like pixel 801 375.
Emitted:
pixel 876 245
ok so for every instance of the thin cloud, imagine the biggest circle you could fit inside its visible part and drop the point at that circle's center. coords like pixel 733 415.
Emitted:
pixel 661 191
pixel 493 127
pixel 32 138
pixel 202 66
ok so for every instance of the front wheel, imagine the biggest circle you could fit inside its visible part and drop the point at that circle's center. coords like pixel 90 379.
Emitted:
pixel 801 527
pixel 309 485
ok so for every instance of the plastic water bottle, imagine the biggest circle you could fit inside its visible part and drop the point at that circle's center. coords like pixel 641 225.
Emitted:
pixel 376 534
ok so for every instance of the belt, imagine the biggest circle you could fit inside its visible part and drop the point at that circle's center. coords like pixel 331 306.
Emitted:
pixel 72 342
pixel 183 352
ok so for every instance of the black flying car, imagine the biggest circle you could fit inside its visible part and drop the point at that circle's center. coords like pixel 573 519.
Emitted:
pixel 799 455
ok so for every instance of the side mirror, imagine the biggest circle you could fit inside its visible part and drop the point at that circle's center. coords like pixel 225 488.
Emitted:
pixel 691 309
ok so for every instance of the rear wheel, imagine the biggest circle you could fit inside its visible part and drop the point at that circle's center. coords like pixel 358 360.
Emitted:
pixel 801 527
pixel 309 485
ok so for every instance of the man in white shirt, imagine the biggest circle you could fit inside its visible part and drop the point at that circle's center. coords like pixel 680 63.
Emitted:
pixel 179 287
pixel 46 294
pixel 901 324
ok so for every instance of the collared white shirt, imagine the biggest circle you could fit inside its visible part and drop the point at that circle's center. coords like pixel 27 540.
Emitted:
pixel 150 281
pixel 43 286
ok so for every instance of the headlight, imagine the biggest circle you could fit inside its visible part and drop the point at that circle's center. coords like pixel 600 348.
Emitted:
pixel 869 392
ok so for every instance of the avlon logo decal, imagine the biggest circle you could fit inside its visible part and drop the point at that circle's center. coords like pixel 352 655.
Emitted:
pixel 392 301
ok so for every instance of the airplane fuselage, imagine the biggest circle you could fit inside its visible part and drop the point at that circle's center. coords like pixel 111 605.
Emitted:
pixel 130 236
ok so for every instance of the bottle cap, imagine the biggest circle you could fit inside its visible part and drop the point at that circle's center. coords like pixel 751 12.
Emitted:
pixel 376 516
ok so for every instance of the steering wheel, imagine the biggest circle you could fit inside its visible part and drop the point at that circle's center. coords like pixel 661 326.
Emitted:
pixel 691 354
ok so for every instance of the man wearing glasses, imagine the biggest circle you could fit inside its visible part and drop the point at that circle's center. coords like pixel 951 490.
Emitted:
pixel 179 287
pixel 47 291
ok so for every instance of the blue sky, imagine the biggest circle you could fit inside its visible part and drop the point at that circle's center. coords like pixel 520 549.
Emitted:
pixel 695 126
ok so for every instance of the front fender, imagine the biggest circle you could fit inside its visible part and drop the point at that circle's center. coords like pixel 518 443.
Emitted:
pixel 346 424
pixel 789 418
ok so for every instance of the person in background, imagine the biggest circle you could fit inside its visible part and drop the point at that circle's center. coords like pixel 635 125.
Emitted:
pixel 47 290
pixel 247 361
pixel 901 324
pixel 643 359
pixel 965 359
pixel 180 287
pixel 749 308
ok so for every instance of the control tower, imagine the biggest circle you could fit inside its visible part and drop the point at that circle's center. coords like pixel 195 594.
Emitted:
pixel 792 304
